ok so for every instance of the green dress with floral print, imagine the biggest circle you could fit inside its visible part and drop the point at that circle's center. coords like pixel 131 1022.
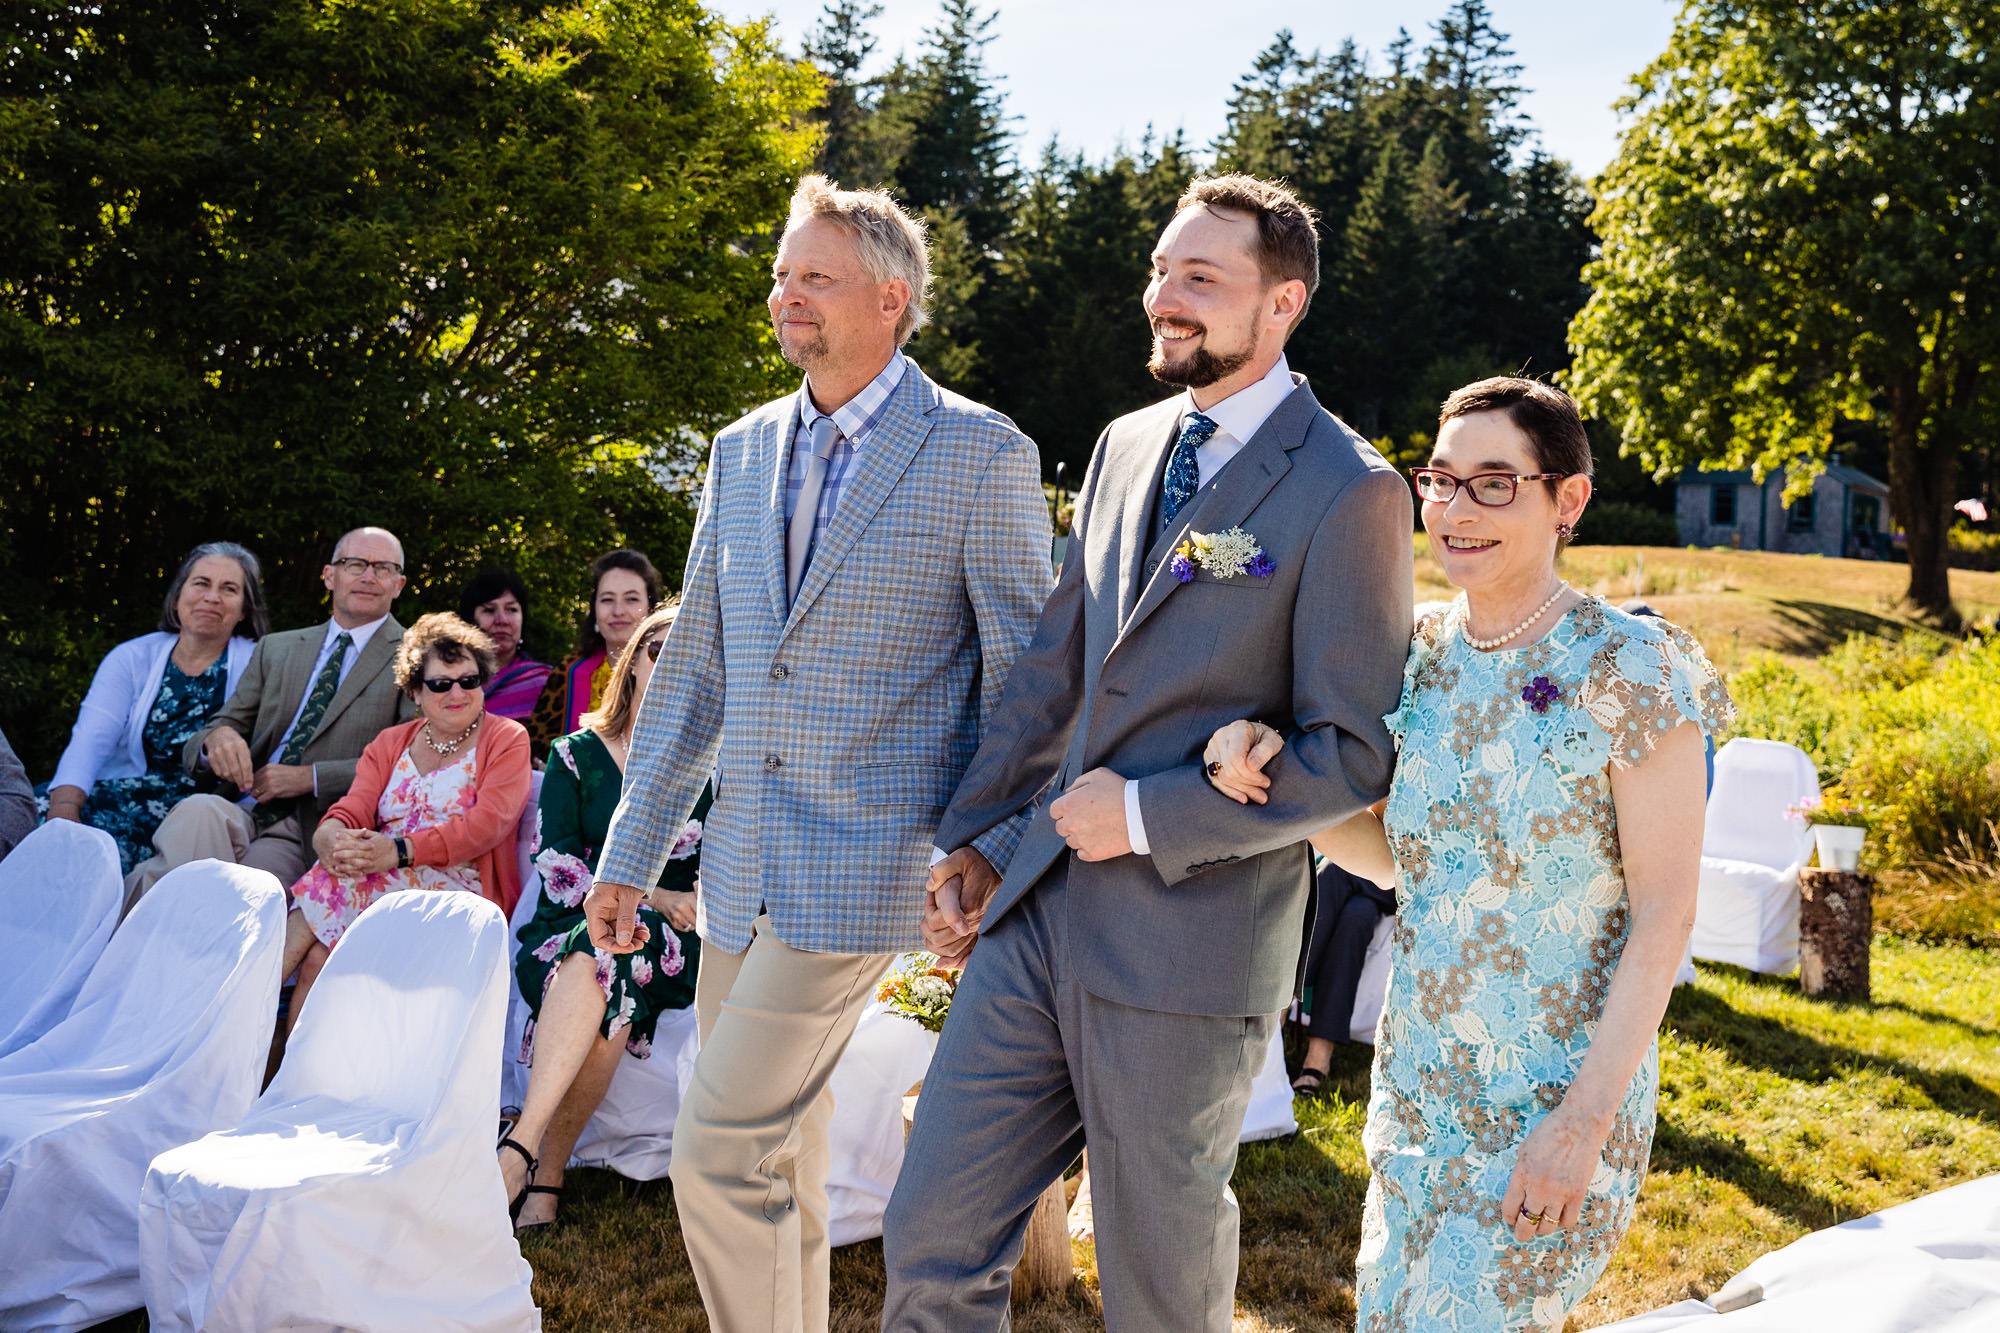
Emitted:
pixel 1512 918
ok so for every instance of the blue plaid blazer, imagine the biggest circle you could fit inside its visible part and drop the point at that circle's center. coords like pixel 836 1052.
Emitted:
pixel 843 723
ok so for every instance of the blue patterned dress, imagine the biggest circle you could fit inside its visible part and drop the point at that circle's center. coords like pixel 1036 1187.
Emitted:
pixel 1513 917
pixel 130 809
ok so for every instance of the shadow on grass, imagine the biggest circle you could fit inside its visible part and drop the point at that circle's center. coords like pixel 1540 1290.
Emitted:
pixel 1813 628
pixel 1933 1016
pixel 1728 1158
pixel 1767 1044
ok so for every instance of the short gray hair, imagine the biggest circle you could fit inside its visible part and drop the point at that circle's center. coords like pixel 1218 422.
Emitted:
pixel 889 241
pixel 256 622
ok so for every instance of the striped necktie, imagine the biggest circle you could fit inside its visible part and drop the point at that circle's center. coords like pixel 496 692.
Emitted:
pixel 322 694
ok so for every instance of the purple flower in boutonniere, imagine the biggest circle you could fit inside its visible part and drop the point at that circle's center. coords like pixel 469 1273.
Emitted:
pixel 1225 555
pixel 1540 693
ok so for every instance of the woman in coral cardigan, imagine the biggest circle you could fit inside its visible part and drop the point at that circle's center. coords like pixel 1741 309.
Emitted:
pixel 434 805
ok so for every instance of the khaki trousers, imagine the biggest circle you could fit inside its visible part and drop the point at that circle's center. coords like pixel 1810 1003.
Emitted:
pixel 750 1147
pixel 207 827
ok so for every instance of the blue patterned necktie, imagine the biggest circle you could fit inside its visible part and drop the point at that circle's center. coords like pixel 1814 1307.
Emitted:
pixel 1183 472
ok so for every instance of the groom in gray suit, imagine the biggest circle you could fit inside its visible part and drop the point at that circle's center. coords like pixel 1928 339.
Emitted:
pixel 1237 553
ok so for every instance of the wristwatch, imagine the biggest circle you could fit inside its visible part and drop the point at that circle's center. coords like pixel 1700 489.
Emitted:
pixel 402 853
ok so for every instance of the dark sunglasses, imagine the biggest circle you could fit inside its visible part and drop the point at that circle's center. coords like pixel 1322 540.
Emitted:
pixel 653 649
pixel 443 684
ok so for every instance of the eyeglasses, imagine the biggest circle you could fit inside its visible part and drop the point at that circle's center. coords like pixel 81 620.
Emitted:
pixel 653 649
pixel 443 684
pixel 384 569
pixel 1494 490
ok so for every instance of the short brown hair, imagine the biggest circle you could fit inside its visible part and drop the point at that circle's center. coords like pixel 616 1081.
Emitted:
pixel 451 639
pixel 1542 412
pixel 616 712
pixel 1287 227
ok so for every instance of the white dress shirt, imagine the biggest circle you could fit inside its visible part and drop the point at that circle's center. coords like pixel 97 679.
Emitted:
pixel 361 635
pixel 1238 418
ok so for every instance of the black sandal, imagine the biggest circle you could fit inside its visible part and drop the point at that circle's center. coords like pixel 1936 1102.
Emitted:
pixel 538 1226
pixel 514 1204
pixel 1309 1082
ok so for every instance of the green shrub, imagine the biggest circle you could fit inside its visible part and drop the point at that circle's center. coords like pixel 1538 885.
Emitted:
pixel 1620 523
pixel 1969 548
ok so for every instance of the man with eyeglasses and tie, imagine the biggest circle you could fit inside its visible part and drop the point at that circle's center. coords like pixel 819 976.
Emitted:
pixel 287 740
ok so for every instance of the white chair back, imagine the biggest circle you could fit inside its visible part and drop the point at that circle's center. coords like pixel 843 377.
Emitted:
pixel 60 895
pixel 1757 782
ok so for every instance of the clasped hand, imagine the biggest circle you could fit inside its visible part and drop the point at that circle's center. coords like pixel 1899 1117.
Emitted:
pixel 351 853
pixel 1091 816
pixel 229 759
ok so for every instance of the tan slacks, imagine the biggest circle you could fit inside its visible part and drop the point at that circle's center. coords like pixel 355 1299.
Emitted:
pixel 207 827
pixel 750 1146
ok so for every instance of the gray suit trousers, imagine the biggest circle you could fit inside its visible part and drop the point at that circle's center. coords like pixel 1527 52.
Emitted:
pixel 1030 1067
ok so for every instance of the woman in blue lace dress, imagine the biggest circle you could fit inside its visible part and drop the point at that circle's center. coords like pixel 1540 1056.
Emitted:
pixel 1545 826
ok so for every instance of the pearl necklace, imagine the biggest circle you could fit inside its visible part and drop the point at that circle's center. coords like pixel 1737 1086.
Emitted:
pixel 451 746
pixel 1487 645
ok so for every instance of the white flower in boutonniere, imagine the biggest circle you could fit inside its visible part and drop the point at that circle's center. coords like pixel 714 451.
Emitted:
pixel 1226 555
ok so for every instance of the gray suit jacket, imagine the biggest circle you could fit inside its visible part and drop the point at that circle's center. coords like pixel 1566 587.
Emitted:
pixel 277 678
pixel 842 722
pixel 1132 670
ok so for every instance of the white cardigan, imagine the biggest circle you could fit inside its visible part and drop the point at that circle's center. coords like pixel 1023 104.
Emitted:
pixel 108 740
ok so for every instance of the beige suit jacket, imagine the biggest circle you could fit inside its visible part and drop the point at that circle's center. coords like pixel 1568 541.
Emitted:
pixel 275 682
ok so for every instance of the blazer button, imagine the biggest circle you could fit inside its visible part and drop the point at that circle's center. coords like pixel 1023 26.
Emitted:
pixel 1152 567
pixel 780 671
pixel 772 763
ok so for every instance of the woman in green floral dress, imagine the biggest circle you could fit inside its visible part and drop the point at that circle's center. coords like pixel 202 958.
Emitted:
pixel 588 1006
pixel 1545 824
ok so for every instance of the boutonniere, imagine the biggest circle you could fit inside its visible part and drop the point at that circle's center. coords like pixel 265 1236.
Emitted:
pixel 1225 555
pixel 1540 693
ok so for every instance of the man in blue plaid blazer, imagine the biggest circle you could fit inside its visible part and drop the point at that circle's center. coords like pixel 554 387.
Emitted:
pixel 870 556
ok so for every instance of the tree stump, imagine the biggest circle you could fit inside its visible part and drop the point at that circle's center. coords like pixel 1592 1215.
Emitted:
pixel 1836 926
pixel 1045 1257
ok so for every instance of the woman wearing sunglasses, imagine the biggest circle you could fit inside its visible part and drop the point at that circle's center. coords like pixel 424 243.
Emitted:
pixel 434 805
pixel 588 1007
pixel 1544 832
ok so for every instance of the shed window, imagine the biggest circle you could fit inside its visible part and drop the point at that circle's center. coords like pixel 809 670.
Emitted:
pixel 1722 506
pixel 1802 516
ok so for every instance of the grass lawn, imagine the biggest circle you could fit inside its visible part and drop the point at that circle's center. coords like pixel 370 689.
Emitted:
pixel 1779 1115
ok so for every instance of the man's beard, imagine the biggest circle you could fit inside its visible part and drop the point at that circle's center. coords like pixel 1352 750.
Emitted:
pixel 1200 368
pixel 807 353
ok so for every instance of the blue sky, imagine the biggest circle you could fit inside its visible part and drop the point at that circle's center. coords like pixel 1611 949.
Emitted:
pixel 1098 71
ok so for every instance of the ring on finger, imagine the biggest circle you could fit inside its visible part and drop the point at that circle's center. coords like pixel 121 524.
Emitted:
pixel 1536 1218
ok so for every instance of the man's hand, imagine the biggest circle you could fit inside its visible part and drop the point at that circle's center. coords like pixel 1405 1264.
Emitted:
pixel 1091 816
pixel 955 900
pixel 278 782
pixel 229 757
pixel 612 911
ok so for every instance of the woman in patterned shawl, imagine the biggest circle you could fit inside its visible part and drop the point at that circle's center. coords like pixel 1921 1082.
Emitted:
pixel 1544 827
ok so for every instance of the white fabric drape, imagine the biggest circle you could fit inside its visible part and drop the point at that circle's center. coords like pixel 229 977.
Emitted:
pixel 633 1130
pixel 1928 1266
pixel 888 1053
pixel 60 894
pixel 1747 901
pixel 362 1190
pixel 166 1041
pixel 1372 991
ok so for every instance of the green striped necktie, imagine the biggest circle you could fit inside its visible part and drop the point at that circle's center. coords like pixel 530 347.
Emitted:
pixel 322 694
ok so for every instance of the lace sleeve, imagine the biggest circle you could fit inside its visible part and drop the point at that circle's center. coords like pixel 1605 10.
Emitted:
pixel 1644 684
pixel 1423 644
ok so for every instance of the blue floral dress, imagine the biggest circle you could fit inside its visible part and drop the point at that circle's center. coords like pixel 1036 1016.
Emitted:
pixel 1513 917
pixel 130 809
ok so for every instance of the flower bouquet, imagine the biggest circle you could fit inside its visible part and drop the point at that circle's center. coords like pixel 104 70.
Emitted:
pixel 919 989
pixel 1839 825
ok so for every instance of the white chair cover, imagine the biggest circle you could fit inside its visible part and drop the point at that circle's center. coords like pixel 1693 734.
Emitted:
pixel 1747 903
pixel 514 1074
pixel 362 1191
pixel 60 895
pixel 1928 1266
pixel 1269 1115
pixel 632 1132
pixel 888 1053
pixel 166 1041
pixel 1373 991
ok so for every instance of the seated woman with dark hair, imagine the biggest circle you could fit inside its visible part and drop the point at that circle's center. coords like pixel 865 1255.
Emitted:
pixel 587 1006
pixel 624 587
pixel 496 601
pixel 434 805
pixel 121 771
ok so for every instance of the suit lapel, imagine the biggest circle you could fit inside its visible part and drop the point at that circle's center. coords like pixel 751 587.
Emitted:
pixel 774 441
pixel 294 679
pixel 1135 524
pixel 873 472
pixel 1244 482
pixel 381 647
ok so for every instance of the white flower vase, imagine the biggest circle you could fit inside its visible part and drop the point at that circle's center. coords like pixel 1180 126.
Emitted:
pixel 1839 845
